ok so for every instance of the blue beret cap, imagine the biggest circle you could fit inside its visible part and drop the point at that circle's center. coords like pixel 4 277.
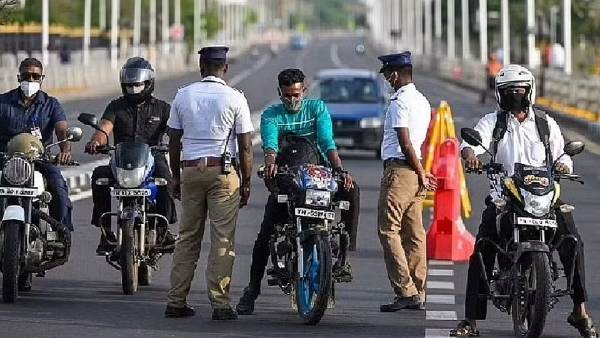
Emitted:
pixel 214 53
pixel 395 60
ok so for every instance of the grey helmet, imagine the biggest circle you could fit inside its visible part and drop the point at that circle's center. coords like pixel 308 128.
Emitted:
pixel 137 79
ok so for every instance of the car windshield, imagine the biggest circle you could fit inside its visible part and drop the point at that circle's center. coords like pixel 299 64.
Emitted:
pixel 347 90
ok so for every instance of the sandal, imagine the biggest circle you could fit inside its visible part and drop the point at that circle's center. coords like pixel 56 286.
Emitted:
pixel 464 329
pixel 585 326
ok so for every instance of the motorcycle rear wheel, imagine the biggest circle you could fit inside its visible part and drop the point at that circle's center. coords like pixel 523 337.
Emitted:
pixel 129 261
pixel 529 318
pixel 10 262
pixel 314 288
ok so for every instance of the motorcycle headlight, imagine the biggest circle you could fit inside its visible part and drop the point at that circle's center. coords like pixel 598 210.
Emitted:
pixel 537 205
pixel 318 198
pixel 17 171
pixel 370 122
pixel 131 178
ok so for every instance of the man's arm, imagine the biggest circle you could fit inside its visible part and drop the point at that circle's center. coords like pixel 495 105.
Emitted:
pixel 426 180
pixel 61 129
pixel 557 145
pixel 246 159
pixel 175 136
pixel 269 133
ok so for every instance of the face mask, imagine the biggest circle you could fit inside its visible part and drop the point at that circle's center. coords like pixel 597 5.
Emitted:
pixel 135 89
pixel 513 102
pixel 30 88
pixel 293 104
pixel 388 83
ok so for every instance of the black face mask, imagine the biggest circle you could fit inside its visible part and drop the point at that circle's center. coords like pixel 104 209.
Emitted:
pixel 140 97
pixel 513 102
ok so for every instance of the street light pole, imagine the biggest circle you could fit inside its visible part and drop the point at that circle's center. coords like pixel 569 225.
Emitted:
pixel 137 21
pixel 531 33
pixel 438 27
pixel 114 32
pixel 466 44
pixel 102 14
pixel 451 30
pixel 567 36
pixel 152 28
pixel 87 18
pixel 419 25
pixel 45 31
pixel 483 27
pixel 164 9
pixel 197 24
pixel 505 31
pixel 428 37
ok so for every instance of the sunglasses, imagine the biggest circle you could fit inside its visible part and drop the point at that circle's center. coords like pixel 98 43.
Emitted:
pixel 31 76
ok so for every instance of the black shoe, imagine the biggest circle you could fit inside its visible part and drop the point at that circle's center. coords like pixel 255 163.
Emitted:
pixel 400 303
pixel 24 282
pixel 246 304
pixel 224 314
pixel 105 246
pixel 179 312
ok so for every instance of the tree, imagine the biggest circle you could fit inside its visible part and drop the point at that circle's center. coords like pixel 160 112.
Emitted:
pixel 6 7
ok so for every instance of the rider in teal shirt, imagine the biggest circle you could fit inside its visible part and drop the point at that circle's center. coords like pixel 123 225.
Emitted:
pixel 309 119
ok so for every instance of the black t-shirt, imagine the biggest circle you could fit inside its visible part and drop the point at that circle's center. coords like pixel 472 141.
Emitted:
pixel 143 123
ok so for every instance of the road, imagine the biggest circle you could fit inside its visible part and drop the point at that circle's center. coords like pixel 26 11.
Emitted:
pixel 83 298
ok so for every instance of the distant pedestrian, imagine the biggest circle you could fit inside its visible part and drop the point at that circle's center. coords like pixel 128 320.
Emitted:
pixel 399 218
pixel 208 117
pixel 491 69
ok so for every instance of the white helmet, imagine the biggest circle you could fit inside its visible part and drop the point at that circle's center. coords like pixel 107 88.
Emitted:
pixel 515 76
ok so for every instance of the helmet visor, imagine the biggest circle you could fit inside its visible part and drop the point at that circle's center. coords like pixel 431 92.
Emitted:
pixel 136 75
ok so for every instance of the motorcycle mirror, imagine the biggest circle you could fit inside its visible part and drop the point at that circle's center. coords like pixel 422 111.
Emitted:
pixel 261 171
pixel 471 136
pixel 573 148
pixel 88 119
pixel 74 134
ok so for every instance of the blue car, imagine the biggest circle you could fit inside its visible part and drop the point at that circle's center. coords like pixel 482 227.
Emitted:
pixel 356 100
pixel 297 42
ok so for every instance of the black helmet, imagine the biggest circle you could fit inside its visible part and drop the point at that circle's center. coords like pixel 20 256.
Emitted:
pixel 137 79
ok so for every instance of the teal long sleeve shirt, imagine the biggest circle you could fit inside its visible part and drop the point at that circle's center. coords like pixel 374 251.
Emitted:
pixel 312 121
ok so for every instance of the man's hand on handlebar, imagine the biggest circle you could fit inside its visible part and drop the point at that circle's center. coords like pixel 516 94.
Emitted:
pixel 91 146
pixel 270 170
pixel 472 163
pixel 562 168
pixel 63 158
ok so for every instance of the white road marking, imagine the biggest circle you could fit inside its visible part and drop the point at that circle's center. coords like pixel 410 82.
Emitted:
pixel 243 75
pixel 440 315
pixel 437 333
pixel 335 57
pixel 81 196
pixel 437 262
pixel 440 285
pixel 441 272
pixel 441 299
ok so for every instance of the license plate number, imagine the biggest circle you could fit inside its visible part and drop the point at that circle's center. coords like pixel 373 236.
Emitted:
pixel 537 222
pixel 315 213
pixel 129 192
pixel 22 192
pixel 344 141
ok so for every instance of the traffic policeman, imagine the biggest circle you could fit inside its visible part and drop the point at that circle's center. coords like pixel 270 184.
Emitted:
pixel 399 217
pixel 212 178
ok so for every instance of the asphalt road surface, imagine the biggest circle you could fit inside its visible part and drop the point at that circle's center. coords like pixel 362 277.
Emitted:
pixel 83 298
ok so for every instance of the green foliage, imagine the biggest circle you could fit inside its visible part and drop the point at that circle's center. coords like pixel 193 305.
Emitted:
pixel 211 22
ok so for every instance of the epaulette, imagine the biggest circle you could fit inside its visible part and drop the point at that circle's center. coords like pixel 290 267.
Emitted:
pixel 238 90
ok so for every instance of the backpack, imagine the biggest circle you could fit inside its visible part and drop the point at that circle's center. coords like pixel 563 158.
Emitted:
pixel 297 150
pixel 541 123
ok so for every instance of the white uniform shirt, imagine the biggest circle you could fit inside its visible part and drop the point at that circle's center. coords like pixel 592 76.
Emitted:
pixel 408 109
pixel 207 111
pixel 521 142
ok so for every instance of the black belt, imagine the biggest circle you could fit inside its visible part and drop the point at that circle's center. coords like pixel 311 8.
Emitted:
pixel 395 160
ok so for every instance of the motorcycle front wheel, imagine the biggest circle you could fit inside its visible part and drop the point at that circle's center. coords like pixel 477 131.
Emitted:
pixel 10 261
pixel 129 260
pixel 314 287
pixel 531 301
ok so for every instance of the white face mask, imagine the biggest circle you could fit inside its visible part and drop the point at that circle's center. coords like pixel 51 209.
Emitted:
pixel 30 88
pixel 135 89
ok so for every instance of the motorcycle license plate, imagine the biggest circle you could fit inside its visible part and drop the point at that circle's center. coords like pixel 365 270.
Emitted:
pixel 21 192
pixel 129 192
pixel 315 213
pixel 550 223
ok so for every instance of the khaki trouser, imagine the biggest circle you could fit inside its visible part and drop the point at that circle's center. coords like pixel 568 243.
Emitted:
pixel 401 232
pixel 206 191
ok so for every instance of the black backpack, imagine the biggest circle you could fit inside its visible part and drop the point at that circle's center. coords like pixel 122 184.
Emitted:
pixel 541 123
pixel 297 150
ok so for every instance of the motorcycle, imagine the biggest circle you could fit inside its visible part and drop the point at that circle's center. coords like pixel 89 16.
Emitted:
pixel 30 240
pixel 525 279
pixel 139 245
pixel 306 244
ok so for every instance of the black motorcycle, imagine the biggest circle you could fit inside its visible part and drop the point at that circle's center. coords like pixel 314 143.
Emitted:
pixel 30 240
pixel 524 282
pixel 138 245
pixel 308 242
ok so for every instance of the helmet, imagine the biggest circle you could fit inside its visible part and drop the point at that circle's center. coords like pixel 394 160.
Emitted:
pixel 515 76
pixel 137 79
pixel 26 144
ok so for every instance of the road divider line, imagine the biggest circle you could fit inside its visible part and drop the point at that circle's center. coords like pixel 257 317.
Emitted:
pixel 441 272
pixel 437 333
pixel 441 299
pixel 234 81
pixel 440 315
pixel 335 57
pixel 440 285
